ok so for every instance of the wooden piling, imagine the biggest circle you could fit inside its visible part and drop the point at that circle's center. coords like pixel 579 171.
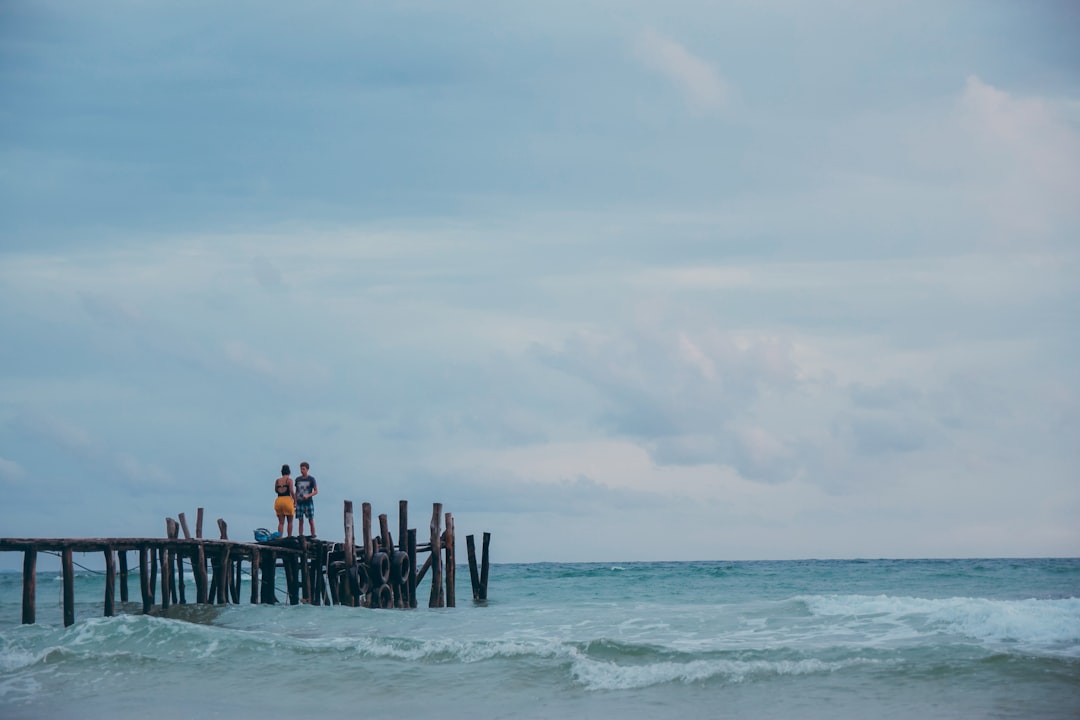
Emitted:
pixel 166 576
pixel 365 515
pixel 474 573
pixel 345 590
pixel 226 576
pixel 198 523
pixel 436 598
pixel 145 583
pixel 69 587
pixel 110 583
pixel 484 567
pixel 236 578
pixel 412 567
pixel 292 589
pixel 153 574
pixel 269 572
pixel 29 588
pixel 254 576
pixel 305 570
pixel 451 562
pixel 121 555
pixel 198 567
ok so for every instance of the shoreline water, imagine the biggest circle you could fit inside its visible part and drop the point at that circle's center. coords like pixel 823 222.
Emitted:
pixel 809 639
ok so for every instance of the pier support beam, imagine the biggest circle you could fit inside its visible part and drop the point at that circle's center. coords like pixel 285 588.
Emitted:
pixel 145 582
pixel 121 555
pixel 110 583
pixel 29 587
pixel 69 588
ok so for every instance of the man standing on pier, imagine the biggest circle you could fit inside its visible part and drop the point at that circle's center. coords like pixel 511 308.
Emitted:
pixel 306 489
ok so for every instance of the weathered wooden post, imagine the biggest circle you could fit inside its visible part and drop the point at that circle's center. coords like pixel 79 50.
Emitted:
pixel 198 523
pixel 198 566
pixel 403 546
pixel 178 555
pixel 110 582
pixel 224 528
pixel 153 574
pixel 236 572
pixel 305 569
pixel 69 588
pixel 122 557
pixel 451 562
pixel 474 573
pixel 484 567
pixel 223 567
pixel 345 588
pixel 436 598
pixel 269 573
pixel 166 574
pixel 292 589
pixel 412 567
pixel 365 513
pixel 254 575
pixel 145 583
pixel 168 587
pixel 388 550
pixel 29 586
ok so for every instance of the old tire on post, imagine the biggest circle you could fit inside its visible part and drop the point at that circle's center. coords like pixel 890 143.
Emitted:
pixel 399 567
pixel 380 568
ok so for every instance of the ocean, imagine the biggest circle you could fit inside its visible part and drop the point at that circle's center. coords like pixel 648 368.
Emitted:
pixel 794 639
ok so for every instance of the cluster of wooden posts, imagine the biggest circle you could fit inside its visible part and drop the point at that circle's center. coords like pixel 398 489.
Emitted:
pixel 375 573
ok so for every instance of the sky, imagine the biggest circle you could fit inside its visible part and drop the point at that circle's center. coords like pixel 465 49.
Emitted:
pixel 611 280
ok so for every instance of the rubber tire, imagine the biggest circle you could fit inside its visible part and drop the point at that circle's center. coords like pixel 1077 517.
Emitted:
pixel 399 567
pixel 384 597
pixel 380 568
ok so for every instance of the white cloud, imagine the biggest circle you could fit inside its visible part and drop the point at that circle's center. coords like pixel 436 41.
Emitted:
pixel 703 88
pixel 1031 153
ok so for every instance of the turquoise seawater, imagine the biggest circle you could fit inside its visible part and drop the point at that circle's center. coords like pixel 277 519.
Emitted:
pixel 797 639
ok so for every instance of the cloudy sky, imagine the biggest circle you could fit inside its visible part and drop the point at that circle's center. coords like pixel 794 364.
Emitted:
pixel 612 280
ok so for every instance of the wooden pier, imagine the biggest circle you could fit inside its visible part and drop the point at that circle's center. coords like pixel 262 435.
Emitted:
pixel 373 573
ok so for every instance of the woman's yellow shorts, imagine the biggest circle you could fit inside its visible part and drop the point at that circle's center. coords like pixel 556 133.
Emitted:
pixel 284 505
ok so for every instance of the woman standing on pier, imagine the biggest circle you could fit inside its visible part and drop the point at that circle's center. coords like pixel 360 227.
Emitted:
pixel 286 496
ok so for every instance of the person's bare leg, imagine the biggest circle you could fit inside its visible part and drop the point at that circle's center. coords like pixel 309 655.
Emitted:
pixel 280 523
pixel 290 525
pixel 311 524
